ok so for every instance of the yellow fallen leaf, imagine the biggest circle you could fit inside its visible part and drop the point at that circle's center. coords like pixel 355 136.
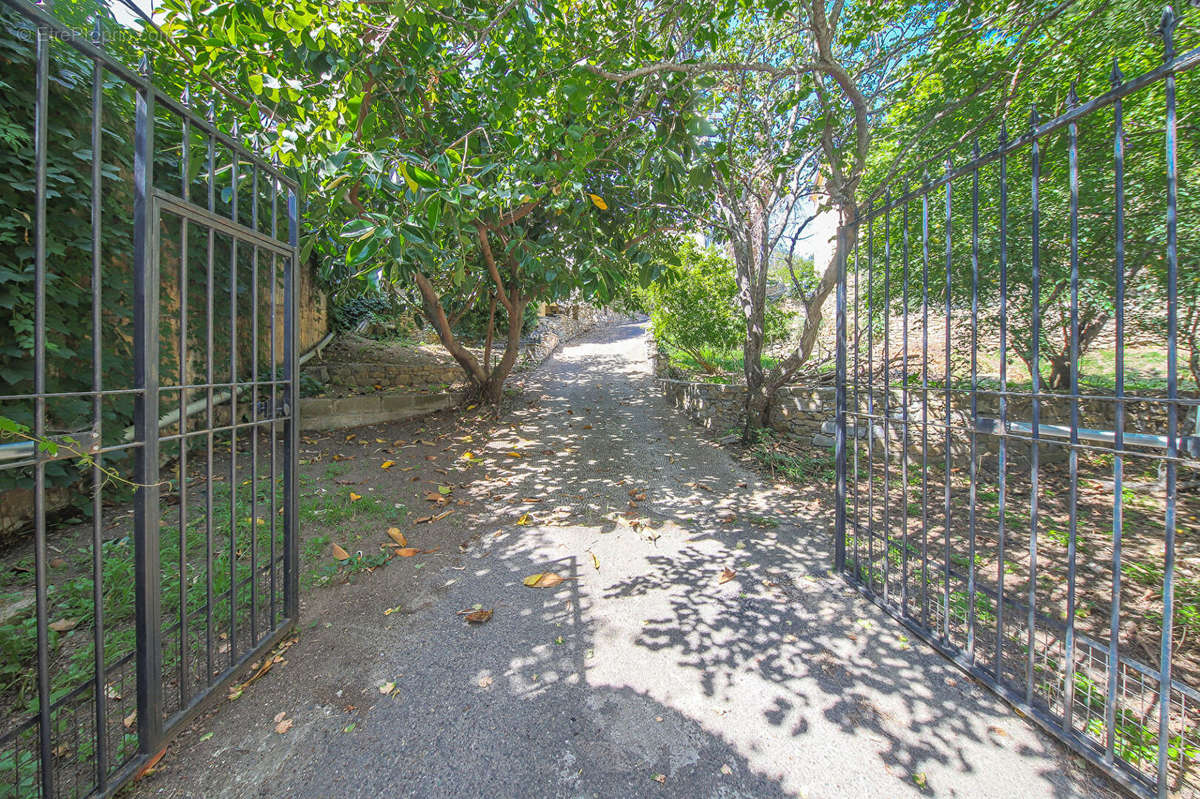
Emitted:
pixel 387 464
pixel 351 437
pixel 355 497
pixel 542 580
pixel 397 536
pixel 525 520
pixel 598 201
pixel 340 553
pixel 595 560
pixel 514 454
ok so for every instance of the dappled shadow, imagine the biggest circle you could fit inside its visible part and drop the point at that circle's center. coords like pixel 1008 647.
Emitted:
pixel 644 662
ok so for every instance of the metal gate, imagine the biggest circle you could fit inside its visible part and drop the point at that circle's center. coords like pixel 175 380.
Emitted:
pixel 148 436
pixel 1018 461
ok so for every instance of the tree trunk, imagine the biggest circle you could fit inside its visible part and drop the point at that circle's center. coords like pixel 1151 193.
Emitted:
pixel 1060 373
pixel 492 389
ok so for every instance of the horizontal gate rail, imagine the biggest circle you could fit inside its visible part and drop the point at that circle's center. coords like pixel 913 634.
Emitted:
pixel 1003 520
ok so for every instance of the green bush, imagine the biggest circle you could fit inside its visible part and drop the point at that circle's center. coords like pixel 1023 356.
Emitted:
pixel 693 307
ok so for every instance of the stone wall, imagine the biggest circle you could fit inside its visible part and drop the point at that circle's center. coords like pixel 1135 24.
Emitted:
pixel 562 327
pixel 410 374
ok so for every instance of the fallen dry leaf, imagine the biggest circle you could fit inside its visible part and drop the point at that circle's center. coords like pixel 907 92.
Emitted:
pixel 64 625
pixel 284 726
pixel 442 515
pixel 433 496
pixel 397 536
pixel 387 464
pixel 661 779
pixel 542 580
pixel 387 687
pixel 130 720
pixel 355 497
pixel 525 520
pixel 280 716
pixel 423 520
pixel 595 560
pixel 727 575
pixel 485 682
pixel 406 552
pixel 478 616
pixel 340 553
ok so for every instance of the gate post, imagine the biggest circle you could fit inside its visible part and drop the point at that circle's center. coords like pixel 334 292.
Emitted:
pixel 839 544
pixel 145 419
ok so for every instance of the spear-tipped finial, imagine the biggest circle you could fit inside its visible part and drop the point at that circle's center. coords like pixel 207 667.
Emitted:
pixel 1003 132
pixel 975 149
pixel 97 33
pixel 1033 116
pixel 1116 77
pixel 925 177
pixel 144 65
pixel 1166 29
pixel 211 113
pixel 1073 96
pixel 186 98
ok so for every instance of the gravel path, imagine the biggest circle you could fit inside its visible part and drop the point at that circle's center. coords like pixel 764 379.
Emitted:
pixel 642 674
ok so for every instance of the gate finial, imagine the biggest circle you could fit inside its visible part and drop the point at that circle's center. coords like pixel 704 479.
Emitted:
pixel 1166 29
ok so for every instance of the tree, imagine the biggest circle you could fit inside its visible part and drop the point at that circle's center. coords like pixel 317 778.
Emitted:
pixel 468 156
pixel 694 305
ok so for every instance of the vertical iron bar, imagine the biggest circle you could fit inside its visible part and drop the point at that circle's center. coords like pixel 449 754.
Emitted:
pixel 233 402
pixel 887 388
pixel 186 180
pixel 856 411
pixel 1167 29
pixel 974 400
pixel 839 544
pixel 146 513
pixel 98 477
pixel 868 423
pixel 1035 413
pixel 1114 620
pixel 1073 455
pixel 291 566
pixel 254 413
pixel 41 127
pixel 925 402
pixel 210 374
pixel 947 395
pixel 274 394
pixel 1002 446
pixel 904 399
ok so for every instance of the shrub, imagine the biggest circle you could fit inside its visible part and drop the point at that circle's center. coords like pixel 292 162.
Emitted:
pixel 693 306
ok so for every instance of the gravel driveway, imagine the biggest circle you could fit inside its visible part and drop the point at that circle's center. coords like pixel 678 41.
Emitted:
pixel 643 673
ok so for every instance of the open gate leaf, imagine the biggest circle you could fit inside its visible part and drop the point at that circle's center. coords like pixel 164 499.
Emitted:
pixel 542 580
pixel 397 536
